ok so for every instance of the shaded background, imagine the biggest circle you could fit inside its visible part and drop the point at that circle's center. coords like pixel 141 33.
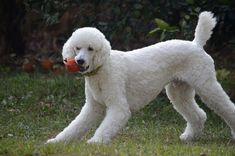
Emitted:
pixel 31 30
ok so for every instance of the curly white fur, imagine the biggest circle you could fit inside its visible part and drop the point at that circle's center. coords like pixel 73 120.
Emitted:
pixel 127 81
pixel 204 28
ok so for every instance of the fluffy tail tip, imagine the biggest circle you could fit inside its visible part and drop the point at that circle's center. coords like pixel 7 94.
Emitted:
pixel 206 23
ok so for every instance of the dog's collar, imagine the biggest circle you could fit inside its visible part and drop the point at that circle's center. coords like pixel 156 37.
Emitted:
pixel 93 72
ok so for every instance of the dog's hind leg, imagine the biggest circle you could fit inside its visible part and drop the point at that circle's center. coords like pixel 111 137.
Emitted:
pixel 182 96
pixel 214 96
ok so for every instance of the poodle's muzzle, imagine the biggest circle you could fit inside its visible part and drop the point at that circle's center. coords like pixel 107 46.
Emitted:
pixel 81 62
pixel 82 59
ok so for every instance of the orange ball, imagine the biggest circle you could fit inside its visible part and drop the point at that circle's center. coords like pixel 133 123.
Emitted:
pixel 71 65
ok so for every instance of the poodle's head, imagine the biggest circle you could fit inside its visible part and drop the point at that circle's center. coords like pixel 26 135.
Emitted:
pixel 89 47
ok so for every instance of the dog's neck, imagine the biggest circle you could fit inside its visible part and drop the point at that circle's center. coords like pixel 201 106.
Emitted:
pixel 97 70
pixel 93 72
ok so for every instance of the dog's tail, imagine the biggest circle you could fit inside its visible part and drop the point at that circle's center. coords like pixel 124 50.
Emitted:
pixel 206 23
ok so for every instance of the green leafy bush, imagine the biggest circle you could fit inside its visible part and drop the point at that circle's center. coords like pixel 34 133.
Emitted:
pixel 164 28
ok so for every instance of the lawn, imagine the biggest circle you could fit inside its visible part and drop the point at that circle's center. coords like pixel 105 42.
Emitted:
pixel 35 107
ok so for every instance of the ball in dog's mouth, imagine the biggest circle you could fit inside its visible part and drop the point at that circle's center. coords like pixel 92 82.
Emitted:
pixel 71 65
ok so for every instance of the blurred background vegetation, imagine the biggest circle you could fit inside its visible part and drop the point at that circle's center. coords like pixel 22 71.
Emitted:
pixel 34 31
pixel 39 28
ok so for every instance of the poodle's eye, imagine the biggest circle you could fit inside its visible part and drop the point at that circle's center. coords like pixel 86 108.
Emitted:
pixel 90 49
pixel 77 48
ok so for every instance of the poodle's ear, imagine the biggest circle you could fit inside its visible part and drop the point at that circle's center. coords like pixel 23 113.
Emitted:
pixel 103 53
pixel 106 47
pixel 67 51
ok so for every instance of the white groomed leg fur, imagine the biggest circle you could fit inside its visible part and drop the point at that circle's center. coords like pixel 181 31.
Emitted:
pixel 181 96
pixel 89 116
pixel 214 96
pixel 115 119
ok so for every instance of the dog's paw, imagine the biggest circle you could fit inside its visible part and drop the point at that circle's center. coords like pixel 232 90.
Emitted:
pixel 186 138
pixel 190 134
pixel 96 140
pixel 52 141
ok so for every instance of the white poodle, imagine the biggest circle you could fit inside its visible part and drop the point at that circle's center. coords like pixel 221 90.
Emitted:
pixel 118 83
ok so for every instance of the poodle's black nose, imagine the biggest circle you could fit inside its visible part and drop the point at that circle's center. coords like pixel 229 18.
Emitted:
pixel 80 61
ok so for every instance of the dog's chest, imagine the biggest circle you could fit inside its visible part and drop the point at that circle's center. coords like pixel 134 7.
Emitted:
pixel 96 90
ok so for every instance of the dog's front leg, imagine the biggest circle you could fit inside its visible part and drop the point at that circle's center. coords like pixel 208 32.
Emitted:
pixel 89 116
pixel 116 117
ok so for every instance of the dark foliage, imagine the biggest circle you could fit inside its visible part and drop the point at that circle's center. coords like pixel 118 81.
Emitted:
pixel 41 27
pixel 11 15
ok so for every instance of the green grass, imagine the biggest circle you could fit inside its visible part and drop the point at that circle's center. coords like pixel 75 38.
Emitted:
pixel 35 107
